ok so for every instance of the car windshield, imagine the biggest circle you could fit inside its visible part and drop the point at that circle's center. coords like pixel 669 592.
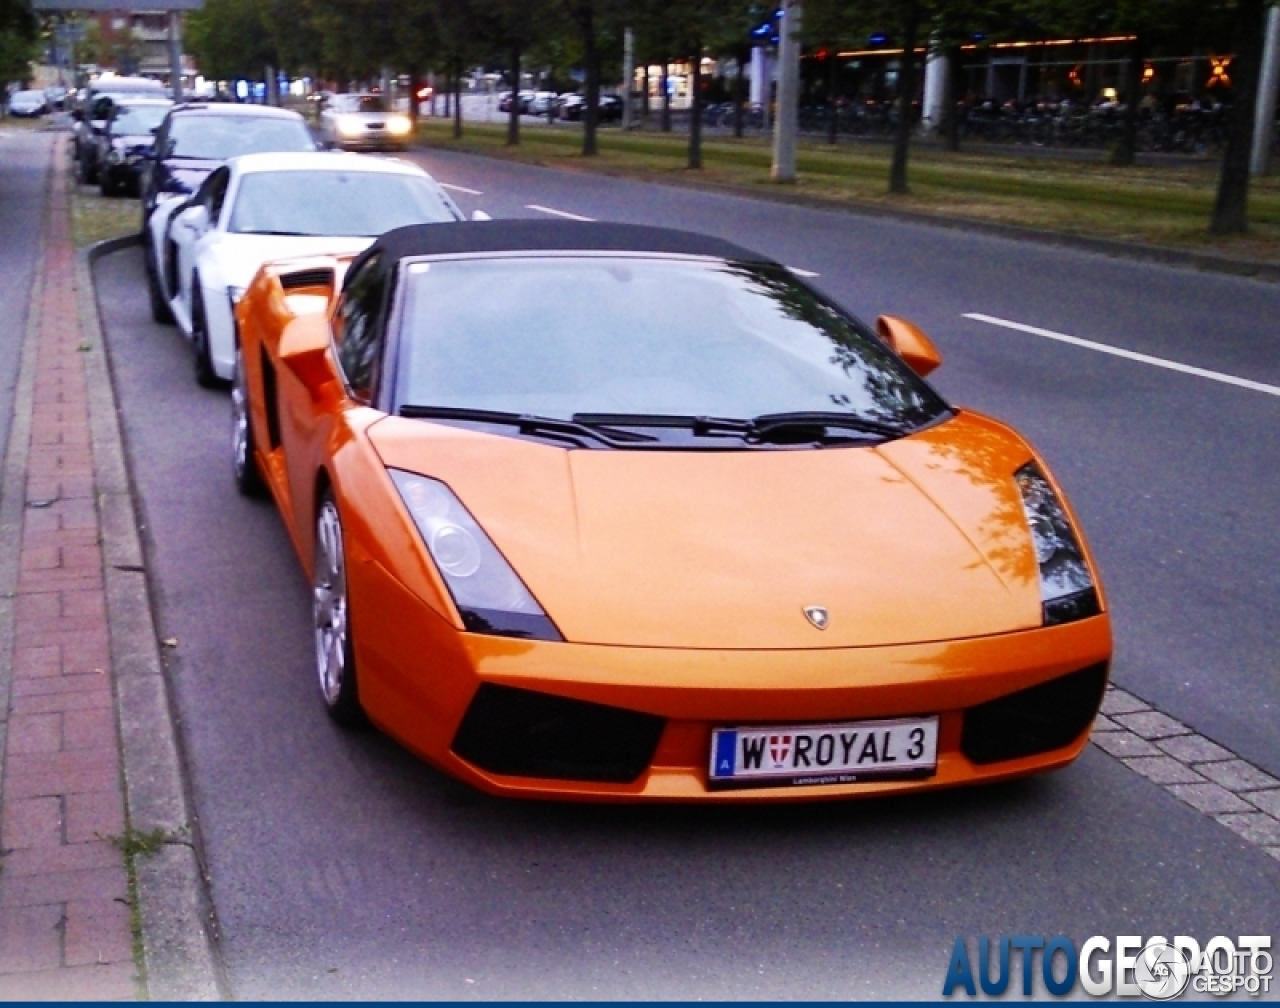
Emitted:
pixel 220 137
pixel 360 103
pixel 138 120
pixel 336 203
pixel 571 334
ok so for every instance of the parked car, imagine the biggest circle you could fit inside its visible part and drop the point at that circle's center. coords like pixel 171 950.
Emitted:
pixel 272 206
pixel 196 138
pixel 28 104
pixel 55 95
pixel 363 122
pixel 593 511
pixel 127 142
pixel 92 110
pixel 573 106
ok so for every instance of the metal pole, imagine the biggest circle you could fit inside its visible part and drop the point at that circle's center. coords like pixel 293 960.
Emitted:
pixel 175 53
pixel 1264 124
pixel 784 133
pixel 628 74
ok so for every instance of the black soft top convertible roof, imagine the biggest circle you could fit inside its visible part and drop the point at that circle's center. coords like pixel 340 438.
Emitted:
pixel 538 235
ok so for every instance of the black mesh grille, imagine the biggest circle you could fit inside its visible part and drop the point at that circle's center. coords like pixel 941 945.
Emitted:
pixel 1035 720
pixel 527 734
pixel 320 277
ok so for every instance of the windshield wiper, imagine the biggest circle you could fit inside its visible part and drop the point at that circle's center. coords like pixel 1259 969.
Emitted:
pixel 800 426
pixel 782 422
pixel 526 423
pixel 702 426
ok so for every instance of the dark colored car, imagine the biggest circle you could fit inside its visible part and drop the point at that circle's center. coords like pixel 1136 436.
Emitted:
pixel 127 142
pixel 196 138
pixel 574 106
pixel 92 112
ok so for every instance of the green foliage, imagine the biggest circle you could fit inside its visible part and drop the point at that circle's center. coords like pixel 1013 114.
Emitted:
pixel 17 40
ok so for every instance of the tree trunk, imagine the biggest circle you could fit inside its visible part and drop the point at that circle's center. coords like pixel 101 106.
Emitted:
pixel 644 97
pixel 951 100
pixel 413 101
pixel 666 97
pixel 833 108
pixel 590 114
pixel 1123 154
pixel 740 92
pixel 513 113
pixel 457 98
pixel 695 110
pixel 906 96
pixel 1231 210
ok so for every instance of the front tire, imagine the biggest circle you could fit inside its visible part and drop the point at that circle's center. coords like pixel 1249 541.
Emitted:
pixel 206 377
pixel 335 665
pixel 244 459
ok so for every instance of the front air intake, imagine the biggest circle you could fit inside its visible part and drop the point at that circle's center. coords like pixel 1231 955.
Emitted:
pixel 522 733
pixel 1036 720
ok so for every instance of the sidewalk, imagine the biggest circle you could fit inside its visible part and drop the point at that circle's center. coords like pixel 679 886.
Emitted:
pixel 102 895
pixel 64 890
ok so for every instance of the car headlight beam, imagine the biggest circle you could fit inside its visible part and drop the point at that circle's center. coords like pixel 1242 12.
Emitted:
pixel 1067 591
pixel 489 594
pixel 350 126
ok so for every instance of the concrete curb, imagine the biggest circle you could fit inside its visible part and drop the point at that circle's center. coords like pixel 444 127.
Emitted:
pixel 179 929
pixel 1207 262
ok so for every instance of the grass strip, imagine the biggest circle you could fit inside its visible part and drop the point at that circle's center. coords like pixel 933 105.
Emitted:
pixel 1166 205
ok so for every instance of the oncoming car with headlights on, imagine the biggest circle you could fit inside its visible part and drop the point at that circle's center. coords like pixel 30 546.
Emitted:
pixel 268 206
pixel 607 512
pixel 363 122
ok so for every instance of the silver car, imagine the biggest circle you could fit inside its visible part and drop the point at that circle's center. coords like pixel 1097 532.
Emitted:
pixel 363 122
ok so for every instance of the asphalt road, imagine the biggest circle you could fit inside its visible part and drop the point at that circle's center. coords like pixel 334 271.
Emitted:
pixel 343 867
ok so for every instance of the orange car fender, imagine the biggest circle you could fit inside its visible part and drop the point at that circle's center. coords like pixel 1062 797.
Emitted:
pixel 412 666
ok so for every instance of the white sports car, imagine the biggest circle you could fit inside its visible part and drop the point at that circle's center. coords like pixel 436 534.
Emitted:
pixel 261 207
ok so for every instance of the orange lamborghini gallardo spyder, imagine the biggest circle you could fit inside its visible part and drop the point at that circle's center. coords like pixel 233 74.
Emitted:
pixel 605 512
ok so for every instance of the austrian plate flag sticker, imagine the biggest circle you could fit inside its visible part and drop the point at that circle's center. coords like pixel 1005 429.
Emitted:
pixel 806 755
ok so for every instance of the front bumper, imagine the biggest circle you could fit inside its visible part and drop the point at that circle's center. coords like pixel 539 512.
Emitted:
pixel 419 677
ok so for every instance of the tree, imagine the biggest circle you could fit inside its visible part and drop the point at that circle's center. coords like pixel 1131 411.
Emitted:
pixel 17 41
pixel 1231 208
pixel 910 15
pixel 230 39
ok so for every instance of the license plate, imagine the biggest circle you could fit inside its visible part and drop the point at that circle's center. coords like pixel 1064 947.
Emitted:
pixel 851 752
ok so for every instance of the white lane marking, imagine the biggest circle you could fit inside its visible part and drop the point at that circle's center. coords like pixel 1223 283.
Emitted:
pixel 804 273
pixel 1160 362
pixel 557 213
pixel 461 189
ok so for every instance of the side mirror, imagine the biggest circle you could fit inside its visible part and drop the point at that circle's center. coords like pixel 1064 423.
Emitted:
pixel 909 343
pixel 480 215
pixel 194 218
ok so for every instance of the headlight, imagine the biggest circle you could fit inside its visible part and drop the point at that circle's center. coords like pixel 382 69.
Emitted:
pixel 399 125
pixel 1066 586
pixel 490 595
pixel 350 126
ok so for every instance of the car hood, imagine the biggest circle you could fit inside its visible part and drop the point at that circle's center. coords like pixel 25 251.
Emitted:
pixel 922 539
pixel 239 256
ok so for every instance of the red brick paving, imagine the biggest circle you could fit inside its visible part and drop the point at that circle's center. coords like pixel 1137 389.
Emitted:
pixel 64 911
